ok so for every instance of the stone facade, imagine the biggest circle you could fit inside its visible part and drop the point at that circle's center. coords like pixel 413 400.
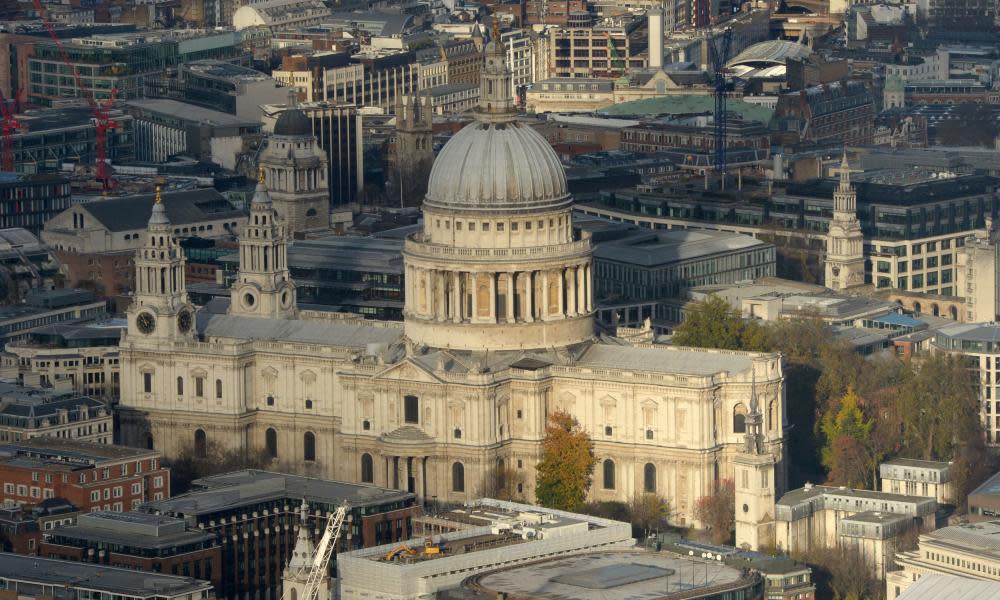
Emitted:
pixel 498 334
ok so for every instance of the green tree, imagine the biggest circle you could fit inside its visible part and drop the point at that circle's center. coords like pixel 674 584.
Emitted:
pixel 712 323
pixel 847 433
pixel 939 407
pixel 567 464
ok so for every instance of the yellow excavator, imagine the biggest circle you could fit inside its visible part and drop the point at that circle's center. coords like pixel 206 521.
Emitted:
pixel 430 549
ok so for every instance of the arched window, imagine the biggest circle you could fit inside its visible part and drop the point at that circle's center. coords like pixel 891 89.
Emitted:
pixel 309 446
pixel 457 477
pixel 311 212
pixel 180 386
pixel 367 469
pixel 199 443
pixel 218 388
pixel 149 441
pixel 649 478
pixel 411 409
pixel 609 474
pixel 739 418
pixel 916 307
pixel 271 442
pixel 295 594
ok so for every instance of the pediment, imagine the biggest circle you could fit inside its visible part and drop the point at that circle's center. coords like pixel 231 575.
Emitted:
pixel 408 371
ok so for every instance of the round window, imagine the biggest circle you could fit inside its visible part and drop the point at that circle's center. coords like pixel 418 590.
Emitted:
pixel 249 300
pixel 746 508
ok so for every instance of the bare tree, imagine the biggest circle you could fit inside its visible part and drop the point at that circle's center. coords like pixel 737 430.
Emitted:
pixel 718 511
pixel 503 483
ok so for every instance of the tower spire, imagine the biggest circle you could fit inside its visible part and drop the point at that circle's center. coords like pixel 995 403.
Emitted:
pixel 495 102
pixel 754 441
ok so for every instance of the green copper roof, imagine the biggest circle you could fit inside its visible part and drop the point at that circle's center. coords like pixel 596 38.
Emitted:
pixel 689 104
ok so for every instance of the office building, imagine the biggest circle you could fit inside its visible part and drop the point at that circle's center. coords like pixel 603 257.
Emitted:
pixel 984 501
pixel 78 356
pixel 53 137
pixel 92 476
pixel 978 277
pixel 138 541
pixel 505 534
pixel 164 128
pixel 841 113
pixel 26 262
pixel 34 577
pixel 219 85
pixel 912 477
pixel 818 516
pixel 607 49
pixel 967 551
pixel 121 62
pixel 46 307
pixel 280 14
pixel 28 201
pixel 29 412
pixel 338 129
pixel 270 502
pixel 978 341
pixel 657 266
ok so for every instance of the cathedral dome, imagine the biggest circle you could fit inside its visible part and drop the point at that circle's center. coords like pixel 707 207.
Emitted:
pixel 293 122
pixel 491 166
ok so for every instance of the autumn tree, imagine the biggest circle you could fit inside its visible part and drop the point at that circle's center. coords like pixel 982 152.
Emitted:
pixel 939 406
pixel 718 511
pixel 648 512
pixel 567 464
pixel 843 571
pixel 846 431
pixel 712 323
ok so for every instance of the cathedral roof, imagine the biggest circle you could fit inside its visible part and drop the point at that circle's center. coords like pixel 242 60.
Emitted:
pixel 293 122
pixel 129 213
pixel 497 166
pixel 298 330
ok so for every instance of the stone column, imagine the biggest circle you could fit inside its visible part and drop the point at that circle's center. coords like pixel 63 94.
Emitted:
pixel 401 472
pixel 571 306
pixel 440 290
pixel 580 297
pixel 588 282
pixel 562 293
pixel 493 298
pixel 418 478
pixel 456 308
pixel 544 312
pixel 528 309
pixel 510 297
pixel 474 283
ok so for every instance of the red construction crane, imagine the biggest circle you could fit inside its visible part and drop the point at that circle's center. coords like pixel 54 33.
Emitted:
pixel 8 126
pixel 102 120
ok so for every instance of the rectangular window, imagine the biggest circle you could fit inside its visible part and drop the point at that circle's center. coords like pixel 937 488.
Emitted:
pixel 147 383
pixel 411 409
pixel 199 387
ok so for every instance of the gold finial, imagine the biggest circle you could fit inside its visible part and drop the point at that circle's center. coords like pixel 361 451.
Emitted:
pixel 159 199
pixel 495 33
pixel 260 175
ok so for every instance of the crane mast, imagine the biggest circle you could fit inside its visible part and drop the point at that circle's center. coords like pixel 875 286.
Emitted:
pixel 718 44
pixel 321 560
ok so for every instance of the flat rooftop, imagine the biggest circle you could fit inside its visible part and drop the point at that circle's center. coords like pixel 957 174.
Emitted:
pixel 70 450
pixel 666 247
pixel 622 575
pixel 87 576
pixel 248 487
pixel 134 529
pixel 918 464
pixel 190 112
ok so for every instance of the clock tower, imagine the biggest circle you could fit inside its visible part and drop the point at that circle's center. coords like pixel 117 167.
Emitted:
pixel 160 308
pixel 263 287
pixel 755 492
pixel 845 258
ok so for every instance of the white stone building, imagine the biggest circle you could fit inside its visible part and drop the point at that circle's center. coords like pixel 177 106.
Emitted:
pixel 912 477
pixel 499 333
pixel 968 551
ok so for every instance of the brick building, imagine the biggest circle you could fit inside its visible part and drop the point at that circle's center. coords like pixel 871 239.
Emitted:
pixel 255 514
pixel 139 541
pixel 90 476
pixel 835 114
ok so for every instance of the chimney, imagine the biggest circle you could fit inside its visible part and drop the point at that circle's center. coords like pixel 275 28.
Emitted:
pixel 655 18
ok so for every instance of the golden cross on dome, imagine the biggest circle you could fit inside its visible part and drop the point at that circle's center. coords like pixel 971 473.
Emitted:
pixel 159 199
pixel 260 175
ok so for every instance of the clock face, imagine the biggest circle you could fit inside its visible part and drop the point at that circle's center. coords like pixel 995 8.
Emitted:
pixel 184 321
pixel 146 322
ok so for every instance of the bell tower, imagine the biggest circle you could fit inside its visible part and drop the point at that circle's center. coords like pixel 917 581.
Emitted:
pixel 160 309
pixel 263 287
pixel 845 259
pixel 299 566
pixel 414 146
pixel 754 483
